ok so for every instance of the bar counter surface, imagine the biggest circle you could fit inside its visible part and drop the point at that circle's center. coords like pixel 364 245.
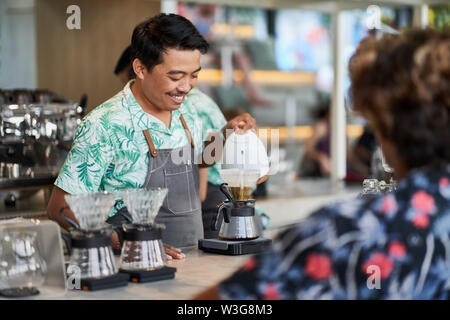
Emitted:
pixel 286 205
pixel 198 271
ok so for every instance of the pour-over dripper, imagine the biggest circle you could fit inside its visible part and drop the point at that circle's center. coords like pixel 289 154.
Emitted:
pixel 91 208
pixel 91 244
pixel 143 204
pixel 143 249
pixel 239 182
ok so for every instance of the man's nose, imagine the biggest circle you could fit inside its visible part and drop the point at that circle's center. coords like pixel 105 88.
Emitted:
pixel 184 86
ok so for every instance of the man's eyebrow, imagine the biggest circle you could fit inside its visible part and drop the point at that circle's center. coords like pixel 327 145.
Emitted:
pixel 182 72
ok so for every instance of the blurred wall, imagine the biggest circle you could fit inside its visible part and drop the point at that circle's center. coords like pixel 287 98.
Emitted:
pixel 73 62
pixel 17 44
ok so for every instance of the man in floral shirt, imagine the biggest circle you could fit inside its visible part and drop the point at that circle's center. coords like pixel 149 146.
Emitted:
pixel 135 139
pixel 394 245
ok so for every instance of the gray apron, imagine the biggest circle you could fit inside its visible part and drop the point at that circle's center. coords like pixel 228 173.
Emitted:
pixel 181 210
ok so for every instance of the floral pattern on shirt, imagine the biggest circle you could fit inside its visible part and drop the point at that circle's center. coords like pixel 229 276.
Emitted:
pixel 110 151
pixel 391 246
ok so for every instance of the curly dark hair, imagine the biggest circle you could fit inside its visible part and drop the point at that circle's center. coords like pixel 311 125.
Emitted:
pixel 403 83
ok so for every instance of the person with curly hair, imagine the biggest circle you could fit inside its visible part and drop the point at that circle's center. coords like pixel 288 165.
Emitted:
pixel 395 245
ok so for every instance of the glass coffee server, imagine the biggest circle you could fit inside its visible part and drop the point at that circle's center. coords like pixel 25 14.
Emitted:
pixel 92 258
pixel 143 256
pixel 22 269
pixel 239 233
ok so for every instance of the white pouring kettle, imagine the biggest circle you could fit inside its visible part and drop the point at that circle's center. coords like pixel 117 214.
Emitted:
pixel 245 151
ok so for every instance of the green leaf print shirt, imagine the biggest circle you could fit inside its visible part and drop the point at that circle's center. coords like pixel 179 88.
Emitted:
pixel 110 151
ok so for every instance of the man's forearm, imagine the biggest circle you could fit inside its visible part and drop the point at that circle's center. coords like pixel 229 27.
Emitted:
pixel 57 205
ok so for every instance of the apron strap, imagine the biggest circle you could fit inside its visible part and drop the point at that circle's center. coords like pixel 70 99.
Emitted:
pixel 187 131
pixel 150 143
pixel 149 139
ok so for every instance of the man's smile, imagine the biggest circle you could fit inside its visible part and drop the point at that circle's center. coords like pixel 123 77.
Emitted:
pixel 178 98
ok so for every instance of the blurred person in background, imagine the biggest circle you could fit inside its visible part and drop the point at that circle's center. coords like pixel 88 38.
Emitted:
pixel 316 161
pixel 316 157
pixel 394 245
pixel 202 16
pixel 124 68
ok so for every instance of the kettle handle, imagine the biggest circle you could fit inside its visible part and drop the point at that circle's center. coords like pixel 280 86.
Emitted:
pixel 224 189
pixel 222 210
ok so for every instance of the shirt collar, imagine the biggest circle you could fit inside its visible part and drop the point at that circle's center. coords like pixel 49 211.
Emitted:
pixel 143 120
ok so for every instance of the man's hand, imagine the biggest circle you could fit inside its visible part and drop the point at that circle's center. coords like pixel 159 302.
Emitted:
pixel 115 240
pixel 241 123
pixel 173 253
pixel 262 179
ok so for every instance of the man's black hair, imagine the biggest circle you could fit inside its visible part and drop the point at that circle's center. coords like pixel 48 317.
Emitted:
pixel 164 31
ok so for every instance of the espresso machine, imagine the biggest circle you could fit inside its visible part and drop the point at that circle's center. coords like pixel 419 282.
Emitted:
pixel 143 257
pixel 36 132
pixel 92 258
pixel 239 232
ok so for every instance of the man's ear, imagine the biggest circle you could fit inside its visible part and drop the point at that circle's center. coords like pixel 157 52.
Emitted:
pixel 139 68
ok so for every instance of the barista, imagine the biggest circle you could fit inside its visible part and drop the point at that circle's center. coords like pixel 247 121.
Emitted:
pixel 133 139
pixel 213 120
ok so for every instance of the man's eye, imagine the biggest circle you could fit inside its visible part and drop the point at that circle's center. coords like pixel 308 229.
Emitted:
pixel 195 76
pixel 175 79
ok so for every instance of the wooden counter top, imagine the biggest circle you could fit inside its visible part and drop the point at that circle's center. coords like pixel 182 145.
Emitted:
pixel 198 271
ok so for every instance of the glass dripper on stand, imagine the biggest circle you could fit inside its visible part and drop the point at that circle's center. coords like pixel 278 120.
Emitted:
pixel 91 239
pixel 142 248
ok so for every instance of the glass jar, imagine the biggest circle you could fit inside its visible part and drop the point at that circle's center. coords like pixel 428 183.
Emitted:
pixel 143 248
pixel 22 269
pixel 92 254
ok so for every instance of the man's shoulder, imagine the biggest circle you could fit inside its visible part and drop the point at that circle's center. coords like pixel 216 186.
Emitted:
pixel 107 112
pixel 201 102
pixel 196 93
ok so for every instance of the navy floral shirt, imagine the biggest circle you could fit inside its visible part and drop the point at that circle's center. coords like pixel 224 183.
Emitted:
pixel 391 246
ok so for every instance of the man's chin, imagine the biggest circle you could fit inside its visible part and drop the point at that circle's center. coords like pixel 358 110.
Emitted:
pixel 173 107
